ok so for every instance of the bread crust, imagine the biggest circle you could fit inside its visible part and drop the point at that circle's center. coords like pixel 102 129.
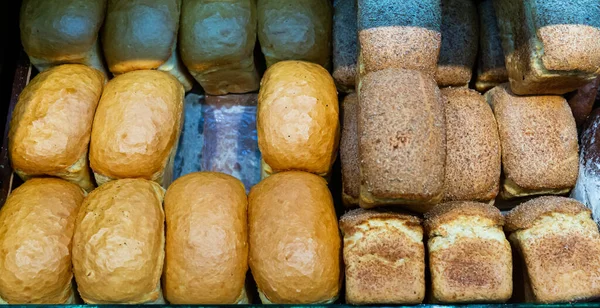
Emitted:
pixel 294 239
pixel 345 49
pixel 524 215
pixel 491 70
pixel 207 239
pixel 401 119
pixel 39 141
pixel 217 45
pixel 349 151
pixel 384 257
pixel 137 126
pixel 119 243
pixel 295 30
pixel 473 155
pixel 538 137
pixel 298 118
pixel 449 211
pixel 36 230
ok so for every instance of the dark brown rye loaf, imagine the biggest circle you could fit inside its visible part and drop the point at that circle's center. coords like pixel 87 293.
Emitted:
pixel 345 51
pixel 491 70
pixel 349 151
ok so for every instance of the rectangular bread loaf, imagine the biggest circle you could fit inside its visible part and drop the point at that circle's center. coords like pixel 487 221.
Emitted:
pixel 384 257
pixel 349 151
pixel 491 70
pixel 551 46
pixel 402 139
pixel 345 51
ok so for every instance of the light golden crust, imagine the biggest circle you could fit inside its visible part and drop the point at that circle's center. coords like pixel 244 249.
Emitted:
pixel 525 215
pixel 473 158
pixel 401 119
pixel 538 138
pixel 36 228
pixel 207 239
pixel 137 126
pixel 349 151
pixel 295 30
pixel 560 247
pixel 469 257
pixel 217 44
pixel 139 34
pixel 119 243
pixel 384 257
pixel 298 118
pixel 62 31
pixel 39 141
pixel 294 239
pixel 551 47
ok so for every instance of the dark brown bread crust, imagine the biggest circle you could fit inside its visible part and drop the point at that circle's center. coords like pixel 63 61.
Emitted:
pixel 446 212
pixel 582 101
pixel 345 50
pixel 491 70
pixel 524 215
pixel 349 151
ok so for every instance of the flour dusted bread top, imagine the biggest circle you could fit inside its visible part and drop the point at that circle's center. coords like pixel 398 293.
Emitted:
pixel 36 231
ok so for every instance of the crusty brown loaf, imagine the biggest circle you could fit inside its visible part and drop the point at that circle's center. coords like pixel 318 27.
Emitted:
pixel 36 229
pixel 298 118
pixel 217 43
pixel 349 151
pixel 207 240
pixel 460 37
pixel 399 34
pixel 294 239
pixel 119 243
pixel 62 31
pixel 384 257
pixel 345 50
pixel 469 257
pixel 491 70
pixel 551 46
pixel 538 138
pixel 402 139
pixel 560 247
pixel 141 35
pixel 472 147
pixel 39 141
pixel 295 30
pixel 136 128
pixel 582 101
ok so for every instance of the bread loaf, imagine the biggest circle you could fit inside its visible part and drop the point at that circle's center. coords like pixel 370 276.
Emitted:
pixel 136 128
pixel 217 44
pixel 384 257
pixel 460 37
pixel 62 31
pixel 399 34
pixel 349 151
pixel 402 139
pixel 119 243
pixel 560 247
pixel 491 70
pixel 587 188
pixel 36 229
pixel 297 118
pixel 345 51
pixel 52 122
pixel 294 240
pixel 469 257
pixel 550 46
pixel 472 147
pixel 142 35
pixel 582 101
pixel 207 240
pixel 295 30
pixel 538 138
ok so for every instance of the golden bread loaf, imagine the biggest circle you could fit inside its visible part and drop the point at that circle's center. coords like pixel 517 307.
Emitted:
pixel 52 122
pixel 297 118
pixel 207 240
pixel 62 31
pixel 119 243
pixel 294 240
pixel 36 231
pixel 470 259
pixel 384 257
pixel 137 126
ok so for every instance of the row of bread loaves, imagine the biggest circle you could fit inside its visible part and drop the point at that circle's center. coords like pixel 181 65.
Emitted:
pixel 469 259
pixel 130 126
pixel 216 38
pixel 116 241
